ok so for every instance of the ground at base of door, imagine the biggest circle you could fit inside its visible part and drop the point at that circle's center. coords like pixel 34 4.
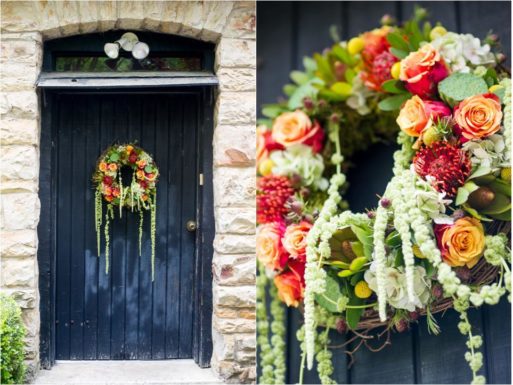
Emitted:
pixel 126 372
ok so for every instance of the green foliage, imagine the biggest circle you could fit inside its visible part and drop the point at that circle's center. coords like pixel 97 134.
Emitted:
pixel 12 333
pixel 393 103
pixel 459 86
pixel 329 298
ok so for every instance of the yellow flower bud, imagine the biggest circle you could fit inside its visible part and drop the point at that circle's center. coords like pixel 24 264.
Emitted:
pixel 362 290
pixel 265 168
pixel 417 252
pixel 355 45
pixel 494 88
pixel 437 32
pixel 396 70
pixel 506 174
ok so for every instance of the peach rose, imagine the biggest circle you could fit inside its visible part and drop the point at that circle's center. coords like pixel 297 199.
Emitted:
pixel 422 70
pixel 461 243
pixel 296 128
pixel 478 116
pixel 290 284
pixel 294 239
pixel 113 167
pixel 418 115
pixel 103 166
pixel 269 248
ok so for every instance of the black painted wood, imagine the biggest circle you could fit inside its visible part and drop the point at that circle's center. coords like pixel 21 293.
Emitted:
pixel 416 356
pixel 123 315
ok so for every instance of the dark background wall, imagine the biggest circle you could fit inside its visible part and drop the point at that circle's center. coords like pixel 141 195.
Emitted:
pixel 287 31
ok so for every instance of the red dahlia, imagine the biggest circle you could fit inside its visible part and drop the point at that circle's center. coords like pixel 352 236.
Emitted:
pixel 378 71
pixel 272 194
pixel 448 165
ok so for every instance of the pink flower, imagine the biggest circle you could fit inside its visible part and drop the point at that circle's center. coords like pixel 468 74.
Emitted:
pixel 417 115
pixel 294 239
pixel 422 70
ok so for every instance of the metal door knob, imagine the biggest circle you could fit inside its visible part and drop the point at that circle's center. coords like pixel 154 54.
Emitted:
pixel 191 226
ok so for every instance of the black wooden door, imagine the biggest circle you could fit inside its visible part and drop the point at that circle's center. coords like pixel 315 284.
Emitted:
pixel 123 314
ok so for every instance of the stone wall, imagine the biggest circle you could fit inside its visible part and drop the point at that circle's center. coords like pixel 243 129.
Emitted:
pixel 231 25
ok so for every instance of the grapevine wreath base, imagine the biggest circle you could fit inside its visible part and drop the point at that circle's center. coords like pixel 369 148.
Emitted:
pixel 439 237
pixel 139 196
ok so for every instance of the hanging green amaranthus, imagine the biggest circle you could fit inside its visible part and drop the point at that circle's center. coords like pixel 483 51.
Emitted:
pixel 140 195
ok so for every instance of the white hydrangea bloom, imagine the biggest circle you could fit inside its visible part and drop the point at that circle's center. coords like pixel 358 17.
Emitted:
pixel 462 52
pixel 300 159
pixel 358 100
pixel 487 153
pixel 397 294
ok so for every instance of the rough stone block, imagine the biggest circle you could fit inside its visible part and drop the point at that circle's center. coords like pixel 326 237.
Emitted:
pixel 20 211
pixel 88 11
pixel 152 15
pixel 19 162
pixel 130 14
pixel 234 146
pixel 108 14
pixel 20 243
pixel 234 296
pixel 171 19
pixel 69 18
pixel 236 53
pixel 235 220
pixel 18 16
pixel 25 298
pixel 242 21
pixel 231 270
pixel 18 272
pixel 19 131
pixel 234 187
pixel 49 23
pixel 20 51
pixel 234 244
pixel 237 79
pixel 21 104
pixel 215 14
pixel 233 108
pixel 229 326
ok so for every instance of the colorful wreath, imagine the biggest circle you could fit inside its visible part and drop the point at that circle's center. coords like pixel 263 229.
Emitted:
pixel 439 236
pixel 140 195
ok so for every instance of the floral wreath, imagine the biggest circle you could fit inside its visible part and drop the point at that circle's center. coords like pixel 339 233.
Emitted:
pixel 440 235
pixel 139 195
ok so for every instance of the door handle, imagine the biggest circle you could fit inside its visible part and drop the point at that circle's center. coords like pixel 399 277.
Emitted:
pixel 191 226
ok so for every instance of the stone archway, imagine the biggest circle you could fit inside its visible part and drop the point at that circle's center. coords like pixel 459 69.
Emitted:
pixel 231 25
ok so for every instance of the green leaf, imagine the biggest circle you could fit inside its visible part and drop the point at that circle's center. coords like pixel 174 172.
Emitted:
pixel 329 298
pixel 397 41
pixel 272 110
pixel 342 88
pixel 345 273
pixel 480 171
pixel 356 278
pixel 474 213
pixel 303 91
pixel 357 248
pixel 399 258
pixel 339 264
pixel 114 157
pixel 501 186
pixel 350 75
pixel 365 237
pixel 331 96
pixel 399 53
pixel 148 169
pixel 309 64
pixel 343 55
pixel 353 315
pixel 299 77
pixel 289 89
pixel 504 216
pixel 464 192
pixel 393 239
pixel 459 86
pixel 500 204
pixel 394 86
pixel 393 103
pixel 426 30
pixel 358 263
pixel 500 92
pixel 323 68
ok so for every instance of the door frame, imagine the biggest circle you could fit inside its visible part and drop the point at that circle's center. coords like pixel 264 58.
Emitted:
pixel 46 256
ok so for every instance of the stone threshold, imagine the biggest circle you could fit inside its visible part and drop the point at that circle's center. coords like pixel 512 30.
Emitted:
pixel 162 372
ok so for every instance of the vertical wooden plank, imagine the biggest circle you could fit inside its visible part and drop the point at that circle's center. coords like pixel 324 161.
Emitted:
pixel 366 15
pixel 145 284
pixel 439 11
pixel 118 258
pixel 92 150
pixel 174 196
pixel 134 125
pixel 189 183
pixel 104 280
pixel 497 342
pixel 77 184
pixel 479 17
pixel 160 156
pixel 441 358
pixel 275 58
pixel 314 16
pixel 64 231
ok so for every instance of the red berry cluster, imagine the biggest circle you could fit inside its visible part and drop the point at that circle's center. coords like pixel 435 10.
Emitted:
pixel 272 194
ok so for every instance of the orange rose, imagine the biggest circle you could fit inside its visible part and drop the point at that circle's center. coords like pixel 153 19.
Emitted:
pixel 269 249
pixel 418 115
pixel 129 149
pixel 109 198
pixel 115 192
pixel 296 127
pixel 113 167
pixel 107 190
pixel 290 284
pixel 422 70
pixel 140 174
pixel 141 163
pixel 144 197
pixel 103 166
pixel 461 243
pixel 294 239
pixel 478 116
